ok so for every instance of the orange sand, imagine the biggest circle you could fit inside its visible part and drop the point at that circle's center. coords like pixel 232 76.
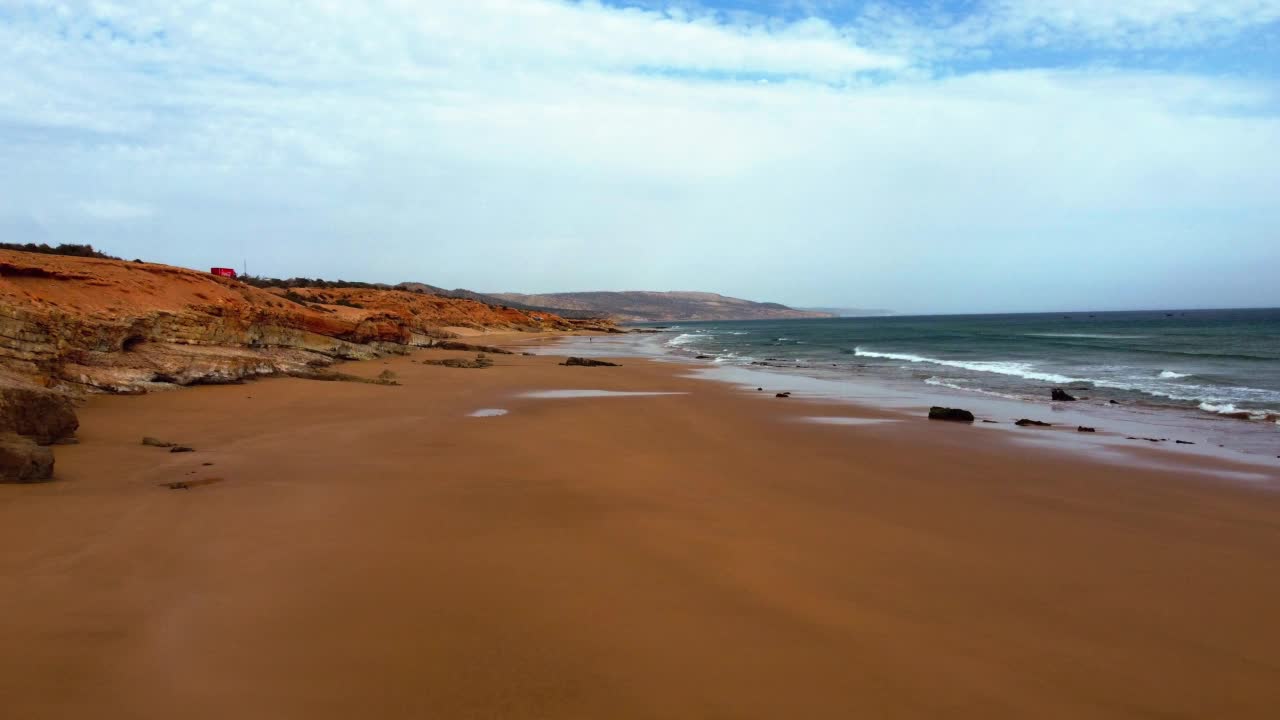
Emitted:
pixel 372 552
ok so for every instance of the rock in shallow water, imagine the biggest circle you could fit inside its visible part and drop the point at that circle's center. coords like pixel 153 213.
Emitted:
pixel 1032 423
pixel 1060 395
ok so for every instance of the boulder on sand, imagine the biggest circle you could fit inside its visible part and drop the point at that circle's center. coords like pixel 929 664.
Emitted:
pixel 950 414
pixel 1031 423
pixel 44 416
pixel 587 362
pixel 23 461
pixel 1060 395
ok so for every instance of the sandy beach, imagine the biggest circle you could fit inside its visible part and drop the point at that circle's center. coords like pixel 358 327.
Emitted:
pixel 352 550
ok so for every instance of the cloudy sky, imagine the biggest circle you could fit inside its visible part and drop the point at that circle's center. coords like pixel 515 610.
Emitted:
pixel 936 155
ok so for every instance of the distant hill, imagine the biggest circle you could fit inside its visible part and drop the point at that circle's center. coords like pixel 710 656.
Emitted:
pixel 645 306
pixel 501 300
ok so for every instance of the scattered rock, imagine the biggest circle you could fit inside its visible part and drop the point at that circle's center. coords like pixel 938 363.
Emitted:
pixel 479 362
pixel 181 449
pixel 44 416
pixel 1082 428
pixel 1060 395
pixel 950 414
pixel 455 345
pixel 154 442
pixel 1114 402
pixel 991 422
pixel 1032 423
pixel 705 357
pixel 326 375
pixel 528 354
pixel 759 389
pixel 783 395
pixel 206 464
pixel 1184 442
pixel 23 461
pixel 588 362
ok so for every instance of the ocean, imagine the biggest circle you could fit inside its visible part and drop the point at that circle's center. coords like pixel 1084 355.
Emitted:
pixel 1220 365
pixel 1218 361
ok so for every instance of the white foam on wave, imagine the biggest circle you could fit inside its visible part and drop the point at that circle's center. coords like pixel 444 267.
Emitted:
pixel 1231 409
pixel 1171 375
pixel 1016 369
pixel 1150 386
pixel 683 339
pixel 1089 336
pixel 956 384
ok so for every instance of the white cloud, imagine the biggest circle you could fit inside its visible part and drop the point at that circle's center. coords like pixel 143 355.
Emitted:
pixel 1167 23
pixel 116 211
pixel 537 145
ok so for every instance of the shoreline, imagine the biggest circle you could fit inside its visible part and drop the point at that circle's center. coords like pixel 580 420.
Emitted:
pixel 365 549
pixel 1122 431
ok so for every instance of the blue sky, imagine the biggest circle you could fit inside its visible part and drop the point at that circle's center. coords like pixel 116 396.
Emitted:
pixel 970 155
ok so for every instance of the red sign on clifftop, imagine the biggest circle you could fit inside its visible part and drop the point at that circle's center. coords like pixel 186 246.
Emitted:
pixel 224 272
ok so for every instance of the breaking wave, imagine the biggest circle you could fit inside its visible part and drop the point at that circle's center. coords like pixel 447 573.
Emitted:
pixel 1016 369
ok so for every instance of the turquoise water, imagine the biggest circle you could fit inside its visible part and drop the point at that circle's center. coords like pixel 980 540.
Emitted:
pixel 1219 362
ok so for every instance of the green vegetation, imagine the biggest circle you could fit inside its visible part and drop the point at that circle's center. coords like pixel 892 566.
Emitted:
pixel 72 250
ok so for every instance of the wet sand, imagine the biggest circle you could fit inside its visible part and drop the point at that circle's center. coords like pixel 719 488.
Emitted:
pixel 369 551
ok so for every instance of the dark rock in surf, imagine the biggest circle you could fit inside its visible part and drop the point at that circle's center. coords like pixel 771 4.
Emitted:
pixel 950 414
pixel 1060 395
pixel 704 357
pixel 1032 423
pixel 1084 429
pixel 783 395
pixel 1184 442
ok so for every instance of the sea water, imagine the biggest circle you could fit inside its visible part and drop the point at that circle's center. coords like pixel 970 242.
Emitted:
pixel 1214 365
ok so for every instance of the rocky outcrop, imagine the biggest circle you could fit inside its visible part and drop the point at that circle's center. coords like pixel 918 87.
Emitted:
pixel 44 416
pixel 479 362
pixel 1060 395
pixel 82 324
pixel 23 461
pixel 468 347
pixel 950 414
pixel 588 362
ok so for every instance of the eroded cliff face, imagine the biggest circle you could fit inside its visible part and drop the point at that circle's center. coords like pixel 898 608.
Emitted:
pixel 82 324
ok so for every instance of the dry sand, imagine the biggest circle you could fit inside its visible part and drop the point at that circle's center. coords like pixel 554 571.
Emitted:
pixel 373 552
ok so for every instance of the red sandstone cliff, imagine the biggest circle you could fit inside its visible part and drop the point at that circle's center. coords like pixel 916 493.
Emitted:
pixel 84 324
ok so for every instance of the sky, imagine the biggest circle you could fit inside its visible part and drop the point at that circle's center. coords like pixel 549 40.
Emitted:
pixel 926 156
